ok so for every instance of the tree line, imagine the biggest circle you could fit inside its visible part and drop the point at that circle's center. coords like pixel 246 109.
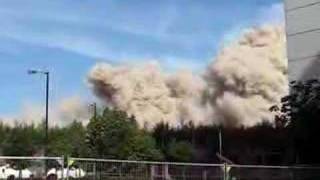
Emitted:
pixel 113 134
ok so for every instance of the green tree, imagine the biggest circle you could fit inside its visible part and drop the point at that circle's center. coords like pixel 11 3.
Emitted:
pixel 115 135
pixel 4 131
pixel 300 112
pixel 76 134
pixel 68 141
pixel 22 140
pixel 180 151
pixel 59 142
pixel 140 147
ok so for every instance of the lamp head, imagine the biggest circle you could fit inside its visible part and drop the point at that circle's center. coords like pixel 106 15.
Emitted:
pixel 32 71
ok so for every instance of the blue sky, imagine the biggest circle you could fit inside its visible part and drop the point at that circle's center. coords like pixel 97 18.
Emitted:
pixel 67 37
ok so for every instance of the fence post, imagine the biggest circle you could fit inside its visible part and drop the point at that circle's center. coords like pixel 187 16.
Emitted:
pixel 184 173
pixel 62 166
pixel 67 173
pixel 120 170
pixel 100 170
pixel 20 173
pixel 291 174
pixel 152 170
pixel 94 170
pixel 204 175
pixel 166 172
pixel 224 171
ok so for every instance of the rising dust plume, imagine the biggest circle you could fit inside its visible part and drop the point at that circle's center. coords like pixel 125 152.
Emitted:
pixel 237 88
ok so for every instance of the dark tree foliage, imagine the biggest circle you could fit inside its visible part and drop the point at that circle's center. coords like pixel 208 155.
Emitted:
pixel 21 140
pixel 260 144
pixel 28 140
pixel 300 113
pixel 68 141
pixel 4 131
pixel 115 135
pixel 182 151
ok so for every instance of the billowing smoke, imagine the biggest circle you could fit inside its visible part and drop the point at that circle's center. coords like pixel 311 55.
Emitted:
pixel 62 113
pixel 148 94
pixel 238 87
pixel 72 109
pixel 249 76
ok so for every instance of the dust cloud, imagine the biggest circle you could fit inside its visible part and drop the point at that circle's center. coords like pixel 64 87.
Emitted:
pixel 237 88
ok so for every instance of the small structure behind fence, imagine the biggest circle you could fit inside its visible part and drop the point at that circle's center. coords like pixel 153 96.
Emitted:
pixel 106 169
pixel 18 167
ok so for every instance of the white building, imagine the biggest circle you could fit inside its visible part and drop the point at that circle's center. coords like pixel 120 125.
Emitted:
pixel 303 38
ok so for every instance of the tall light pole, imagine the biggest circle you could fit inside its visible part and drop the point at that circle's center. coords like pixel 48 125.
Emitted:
pixel 94 107
pixel 46 73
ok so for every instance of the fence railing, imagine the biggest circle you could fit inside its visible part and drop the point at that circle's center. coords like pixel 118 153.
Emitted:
pixel 106 169
pixel 99 169
pixel 273 172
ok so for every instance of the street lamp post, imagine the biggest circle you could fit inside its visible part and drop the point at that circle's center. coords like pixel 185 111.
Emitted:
pixel 47 113
pixel 46 73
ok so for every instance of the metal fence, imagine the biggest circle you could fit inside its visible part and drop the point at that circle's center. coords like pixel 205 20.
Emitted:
pixel 101 169
pixel 273 172
pixel 12 167
pixel 105 169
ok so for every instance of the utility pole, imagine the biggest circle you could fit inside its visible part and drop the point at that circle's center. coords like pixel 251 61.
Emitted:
pixel 220 141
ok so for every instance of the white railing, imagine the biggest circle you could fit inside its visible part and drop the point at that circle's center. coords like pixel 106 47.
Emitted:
pixel 147 170
pixel 101 169
pixel 150 170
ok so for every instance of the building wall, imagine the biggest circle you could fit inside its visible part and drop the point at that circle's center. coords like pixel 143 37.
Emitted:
pixel 303 38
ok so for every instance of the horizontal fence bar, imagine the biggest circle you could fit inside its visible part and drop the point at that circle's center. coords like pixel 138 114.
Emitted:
pixel 274 167
pixel 146 162
pixel 195 164
pixel 29 158
pixel 157 162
